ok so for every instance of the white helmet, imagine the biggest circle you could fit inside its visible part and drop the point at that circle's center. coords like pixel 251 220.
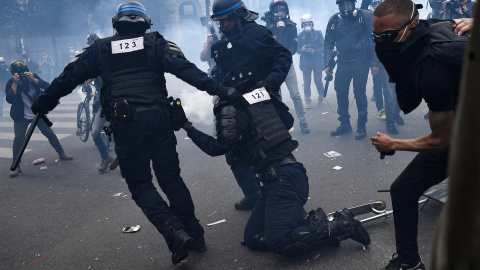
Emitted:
pixel 2 60
pixel 306 18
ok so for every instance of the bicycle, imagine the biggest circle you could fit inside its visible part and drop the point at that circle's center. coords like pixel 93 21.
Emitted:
pixel 84 120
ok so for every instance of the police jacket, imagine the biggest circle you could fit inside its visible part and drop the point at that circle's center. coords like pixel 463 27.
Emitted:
pixel 254 55
pixel 312 40
pixel 351 35
pixel 257 133
pixel 17 108
pixel 287 37
pixel 140 84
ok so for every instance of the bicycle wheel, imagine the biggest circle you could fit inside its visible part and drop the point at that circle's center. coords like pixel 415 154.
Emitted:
pixel 83 121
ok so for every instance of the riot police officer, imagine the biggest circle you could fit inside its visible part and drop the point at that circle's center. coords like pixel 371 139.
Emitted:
pixel 132 64
pixel 285 32
pixel 349 31
pixel 255 128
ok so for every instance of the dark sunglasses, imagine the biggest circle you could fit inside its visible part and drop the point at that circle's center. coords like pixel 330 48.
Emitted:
pixel 389 36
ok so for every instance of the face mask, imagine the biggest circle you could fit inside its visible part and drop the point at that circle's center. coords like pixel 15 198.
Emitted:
pixel 281 25
pixel 308 29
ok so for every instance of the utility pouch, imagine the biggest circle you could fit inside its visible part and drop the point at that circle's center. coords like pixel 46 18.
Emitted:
pixel 122 111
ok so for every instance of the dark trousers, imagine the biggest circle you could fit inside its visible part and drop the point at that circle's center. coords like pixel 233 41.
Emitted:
pixel 346 72
pixel 150 137
pixel 278 211
pixel 307 81
pixel 425 171
pixel 20 128
pixel 246 178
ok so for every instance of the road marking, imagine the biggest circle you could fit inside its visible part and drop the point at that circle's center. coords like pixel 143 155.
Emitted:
pixel 7 152
pixel 35 137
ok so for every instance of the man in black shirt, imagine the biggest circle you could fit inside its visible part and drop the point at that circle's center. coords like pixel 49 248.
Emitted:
pixel 402 42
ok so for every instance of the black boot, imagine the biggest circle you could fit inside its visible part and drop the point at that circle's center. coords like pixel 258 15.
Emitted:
pixel 196 231
pixel 178 240
pixel 315 216
pixel 344 226
pixel 344 128
pixel 361 132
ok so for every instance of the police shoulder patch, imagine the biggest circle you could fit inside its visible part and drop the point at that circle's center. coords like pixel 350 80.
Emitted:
pixel 174 50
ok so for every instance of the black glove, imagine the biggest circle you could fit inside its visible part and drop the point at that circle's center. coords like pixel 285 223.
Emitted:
pixel 178 117
pixel 38 107
pixel 266 84
pixel 228 93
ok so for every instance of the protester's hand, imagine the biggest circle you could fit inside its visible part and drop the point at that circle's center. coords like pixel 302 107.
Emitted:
pixel 178 117
pixel 463 25
pixel 38 107
pixel 383 143
pixel 375 70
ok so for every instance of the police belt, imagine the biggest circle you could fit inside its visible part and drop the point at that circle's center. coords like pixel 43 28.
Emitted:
pixel 270 173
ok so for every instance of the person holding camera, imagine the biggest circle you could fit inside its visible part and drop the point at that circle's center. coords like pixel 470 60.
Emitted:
pixel 457 9
pixel 285 32
pixel 21 90
pixel 310 48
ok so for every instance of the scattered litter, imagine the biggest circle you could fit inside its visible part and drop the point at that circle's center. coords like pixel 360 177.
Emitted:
pixel 56 160
pixel 129 229
pixel 38 261
pixel 215 223
pixel 324 112
pixel 43 167
pixel 332 154
pixel 38 161
pixel 187 139
pixel 124 196
pixel 117 194
pixel 337 168
pixel 212 213
pixel 364 248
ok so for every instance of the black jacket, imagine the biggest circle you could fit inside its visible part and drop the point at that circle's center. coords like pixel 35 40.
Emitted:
pixel 17 108
pixel 317 44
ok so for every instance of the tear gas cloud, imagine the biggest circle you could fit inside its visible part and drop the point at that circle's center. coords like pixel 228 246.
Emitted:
pixel 85 17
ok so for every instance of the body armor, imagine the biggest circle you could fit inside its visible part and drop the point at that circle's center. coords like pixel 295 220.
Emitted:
pixel 268 139
pixel 129 71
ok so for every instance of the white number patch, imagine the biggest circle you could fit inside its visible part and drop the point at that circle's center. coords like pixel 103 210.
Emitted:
pixel 257 95
pixel 127 45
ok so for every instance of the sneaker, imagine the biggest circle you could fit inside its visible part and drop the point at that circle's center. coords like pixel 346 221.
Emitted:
pixel 392 130
pixel 381 115
pixel 304 128
pixel 104 165
pixel 399 120
pixel 342 129
pixel 16 172
pixel 320 100
pixel 308 105
pixel 396 264
pixel 64 156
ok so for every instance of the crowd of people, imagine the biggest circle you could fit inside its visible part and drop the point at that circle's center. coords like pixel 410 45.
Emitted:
pixel 248 64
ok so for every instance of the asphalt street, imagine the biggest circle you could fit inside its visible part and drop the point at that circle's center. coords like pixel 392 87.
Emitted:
pixel 66 215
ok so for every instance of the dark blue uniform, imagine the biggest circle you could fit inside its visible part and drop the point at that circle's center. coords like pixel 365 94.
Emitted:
pixel 351 35
pixel 149 135
pixel 277 214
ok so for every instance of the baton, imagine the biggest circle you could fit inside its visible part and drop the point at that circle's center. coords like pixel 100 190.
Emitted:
pixel 28 136
pixel 328 78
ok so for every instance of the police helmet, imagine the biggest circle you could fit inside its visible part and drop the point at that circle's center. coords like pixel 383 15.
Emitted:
pixel 132 12
pixel 18 66
pixel 306 18
pixel 276 3
pixel 223 9
pixel 91 38
pixel 345 9
pixel 340 1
